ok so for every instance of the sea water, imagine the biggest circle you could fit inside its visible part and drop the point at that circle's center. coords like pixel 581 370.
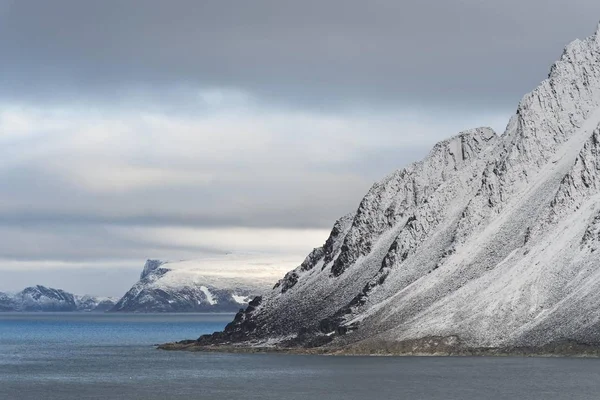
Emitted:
pixel 112 356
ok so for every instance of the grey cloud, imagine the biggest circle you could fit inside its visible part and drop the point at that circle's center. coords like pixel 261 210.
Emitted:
pixel 300 176
pixel 87 242
pixel 254 199
pixel 455 64
pixel 311 53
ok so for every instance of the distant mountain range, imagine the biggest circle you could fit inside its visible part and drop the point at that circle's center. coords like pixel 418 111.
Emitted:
pixel 41 298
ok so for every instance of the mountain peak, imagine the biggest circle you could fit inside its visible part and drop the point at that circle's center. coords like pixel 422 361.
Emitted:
pixel 43 298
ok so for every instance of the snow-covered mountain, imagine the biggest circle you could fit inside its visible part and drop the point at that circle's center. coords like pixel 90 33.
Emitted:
pixel 490 241
pixel 95 303
pixel 41 298
pixel 6 302
pixel 220 284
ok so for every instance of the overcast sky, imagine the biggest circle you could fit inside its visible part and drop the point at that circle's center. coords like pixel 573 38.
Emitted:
pixel 175 129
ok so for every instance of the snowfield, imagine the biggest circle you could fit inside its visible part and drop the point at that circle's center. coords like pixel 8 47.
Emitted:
pixel 227 272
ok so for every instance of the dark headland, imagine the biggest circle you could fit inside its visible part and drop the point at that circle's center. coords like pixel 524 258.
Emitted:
pixel 433 346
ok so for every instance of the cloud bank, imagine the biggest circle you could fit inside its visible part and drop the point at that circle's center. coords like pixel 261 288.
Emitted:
pixel 133 129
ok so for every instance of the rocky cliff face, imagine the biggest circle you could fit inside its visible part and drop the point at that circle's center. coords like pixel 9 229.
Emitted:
pixel 223 284
pixel 491 240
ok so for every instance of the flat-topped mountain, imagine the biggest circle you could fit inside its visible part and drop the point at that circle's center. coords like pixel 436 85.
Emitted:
pixel 218 284
pixel 491 241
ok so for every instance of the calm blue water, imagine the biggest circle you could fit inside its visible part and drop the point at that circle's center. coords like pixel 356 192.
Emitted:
pixel 110 356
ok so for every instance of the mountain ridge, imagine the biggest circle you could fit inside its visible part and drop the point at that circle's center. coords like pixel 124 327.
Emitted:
pixel 490 239
pixel 40 298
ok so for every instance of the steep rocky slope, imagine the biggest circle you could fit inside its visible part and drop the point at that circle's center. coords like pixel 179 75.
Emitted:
pixel 222 284
pixel 490 241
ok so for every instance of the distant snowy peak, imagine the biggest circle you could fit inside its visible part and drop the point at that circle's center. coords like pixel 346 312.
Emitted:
pixel 42 298
pixel 95 303
pixel 6 302
pixel 490 240
pixel 219 284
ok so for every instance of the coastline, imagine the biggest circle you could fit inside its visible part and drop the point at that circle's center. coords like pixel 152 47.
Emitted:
pixel 417 348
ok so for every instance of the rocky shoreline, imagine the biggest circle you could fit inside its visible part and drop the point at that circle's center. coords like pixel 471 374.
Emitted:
pixel 432 346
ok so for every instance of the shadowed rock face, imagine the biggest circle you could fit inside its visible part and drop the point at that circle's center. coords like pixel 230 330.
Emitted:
pixel 490 239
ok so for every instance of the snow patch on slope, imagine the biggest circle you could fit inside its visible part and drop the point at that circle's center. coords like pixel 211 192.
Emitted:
pixel 241 299
pixel 209 297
